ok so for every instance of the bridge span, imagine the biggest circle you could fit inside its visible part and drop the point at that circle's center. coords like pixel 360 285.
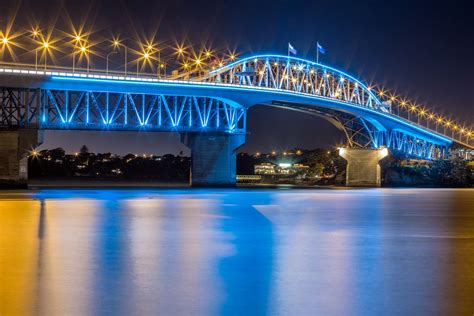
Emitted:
pixel 209 112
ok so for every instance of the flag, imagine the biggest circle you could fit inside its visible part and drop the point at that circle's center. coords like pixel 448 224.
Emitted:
pixel 320 48
pixel 291 49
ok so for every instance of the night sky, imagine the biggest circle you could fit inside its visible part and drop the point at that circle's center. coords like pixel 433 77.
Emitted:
pixel 423 50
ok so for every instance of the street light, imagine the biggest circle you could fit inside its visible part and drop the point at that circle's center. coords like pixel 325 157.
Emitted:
pixel 145 56
pixel 78 39
pixel 86 53
pixel 35 34
pixel 116 44
pixel 45 47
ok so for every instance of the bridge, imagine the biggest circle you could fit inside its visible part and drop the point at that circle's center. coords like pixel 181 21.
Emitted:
pixel 208 109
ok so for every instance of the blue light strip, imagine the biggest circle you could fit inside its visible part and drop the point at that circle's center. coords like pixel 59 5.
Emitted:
pixel 214 86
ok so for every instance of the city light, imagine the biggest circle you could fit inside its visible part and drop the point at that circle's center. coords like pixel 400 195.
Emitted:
pixel 5 40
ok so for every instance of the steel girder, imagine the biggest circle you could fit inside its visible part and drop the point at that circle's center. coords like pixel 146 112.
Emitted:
pixel 360 133
pixel 60 109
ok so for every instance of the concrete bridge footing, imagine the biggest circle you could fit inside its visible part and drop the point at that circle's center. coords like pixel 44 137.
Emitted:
pixel 213 158
pixel 363 169
pixel 15 144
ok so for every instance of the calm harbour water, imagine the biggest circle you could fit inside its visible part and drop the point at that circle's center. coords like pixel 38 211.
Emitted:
pixel 237 252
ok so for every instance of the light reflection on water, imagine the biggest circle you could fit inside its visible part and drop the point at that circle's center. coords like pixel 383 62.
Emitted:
pixel 237 252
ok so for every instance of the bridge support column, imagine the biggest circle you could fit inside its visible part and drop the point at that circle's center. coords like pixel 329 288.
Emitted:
pixel 213 158
pixel 14 148
pixel 363 169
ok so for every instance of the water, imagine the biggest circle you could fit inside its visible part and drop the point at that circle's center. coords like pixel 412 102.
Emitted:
pixel 237 252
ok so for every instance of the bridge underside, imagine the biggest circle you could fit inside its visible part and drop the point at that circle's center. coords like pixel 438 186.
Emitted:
pixel 365 133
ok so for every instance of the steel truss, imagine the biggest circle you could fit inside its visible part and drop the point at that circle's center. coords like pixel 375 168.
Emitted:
pixel 297 76
pixel 61 109
pixel 361 133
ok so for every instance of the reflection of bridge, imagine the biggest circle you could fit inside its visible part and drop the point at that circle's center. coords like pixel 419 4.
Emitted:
pixel 210 111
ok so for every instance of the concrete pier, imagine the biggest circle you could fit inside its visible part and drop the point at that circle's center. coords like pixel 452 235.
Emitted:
pixel 213 158
pixel 363 169
pixel 15 144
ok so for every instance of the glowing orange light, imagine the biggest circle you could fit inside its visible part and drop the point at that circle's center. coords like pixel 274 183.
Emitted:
pixel 5 40
pixel 83 49
pixel 46 45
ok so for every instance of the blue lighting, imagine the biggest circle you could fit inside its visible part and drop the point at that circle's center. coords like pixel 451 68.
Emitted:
pixel 324 67
pixel 260 90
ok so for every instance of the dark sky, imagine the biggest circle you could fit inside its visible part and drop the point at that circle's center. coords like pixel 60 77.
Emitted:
pixel 423 50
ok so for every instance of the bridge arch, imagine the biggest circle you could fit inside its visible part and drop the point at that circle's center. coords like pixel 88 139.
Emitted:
pixel 334 95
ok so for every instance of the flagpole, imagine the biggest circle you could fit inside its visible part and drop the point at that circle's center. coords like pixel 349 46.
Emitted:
pixel 317 52
pixel 288 68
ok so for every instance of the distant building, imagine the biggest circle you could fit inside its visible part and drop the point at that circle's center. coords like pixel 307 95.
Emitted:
pixel 289 169
pixel 264 168
pixel 280 169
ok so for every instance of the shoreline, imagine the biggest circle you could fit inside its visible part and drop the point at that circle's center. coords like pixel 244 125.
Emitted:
pixel 105 183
